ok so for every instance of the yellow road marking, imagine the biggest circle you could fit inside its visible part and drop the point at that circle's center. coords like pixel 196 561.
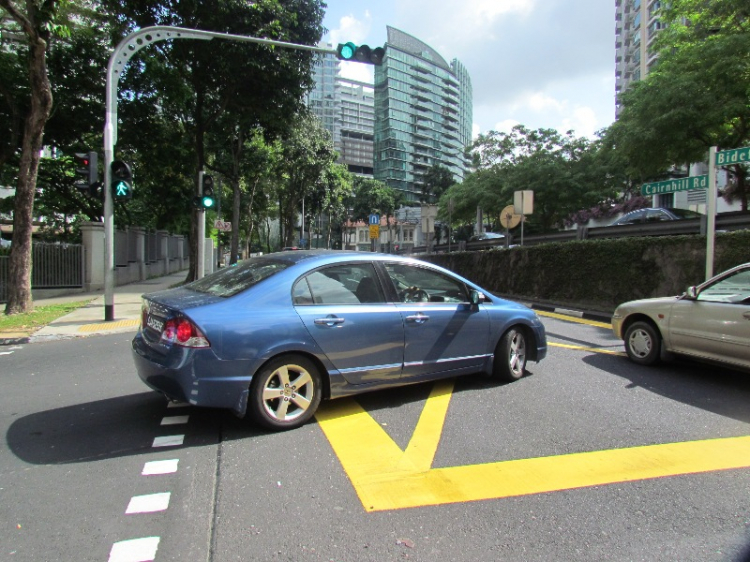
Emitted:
pixel 583 348
pixel 109 325
pixel 386 478
pixel 574 319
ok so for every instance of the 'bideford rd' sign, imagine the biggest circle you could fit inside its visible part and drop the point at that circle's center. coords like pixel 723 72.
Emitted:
pixel 736 156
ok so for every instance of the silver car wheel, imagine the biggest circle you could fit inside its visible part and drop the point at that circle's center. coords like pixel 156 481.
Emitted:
pixel 285 393
pixel 288 392
pixel 643 343
pixel 510 355
pixel 640 343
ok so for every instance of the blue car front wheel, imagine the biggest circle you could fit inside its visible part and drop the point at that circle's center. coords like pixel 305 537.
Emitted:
pixel 510 355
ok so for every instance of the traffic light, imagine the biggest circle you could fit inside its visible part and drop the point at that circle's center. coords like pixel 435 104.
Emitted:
pixel 206 198
pixel 87 172
pixel 122 180
pixel 353 53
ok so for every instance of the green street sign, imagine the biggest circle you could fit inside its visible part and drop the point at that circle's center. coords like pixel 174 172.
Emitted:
pixel 670 186
pixel 736 156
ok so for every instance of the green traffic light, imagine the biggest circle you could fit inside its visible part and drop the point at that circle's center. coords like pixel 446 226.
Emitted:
pixel 207 202
pixel 347 51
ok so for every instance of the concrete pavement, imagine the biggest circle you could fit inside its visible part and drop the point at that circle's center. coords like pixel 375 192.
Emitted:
pixel 89 319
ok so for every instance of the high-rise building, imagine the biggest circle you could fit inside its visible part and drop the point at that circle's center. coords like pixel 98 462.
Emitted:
pixel 321 100
pixel 354 125
pixel 423 114
pixel 636 26
pixel 346 109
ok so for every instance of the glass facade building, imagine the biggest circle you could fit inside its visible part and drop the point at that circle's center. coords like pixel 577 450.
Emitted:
pixel 346 109
pixel 423 114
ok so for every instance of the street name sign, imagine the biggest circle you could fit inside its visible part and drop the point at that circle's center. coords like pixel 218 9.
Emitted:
pixel 670 186
pixel 735 156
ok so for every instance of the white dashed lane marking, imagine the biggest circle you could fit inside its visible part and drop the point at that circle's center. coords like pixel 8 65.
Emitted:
pixel 168 441
pixel 134 550
pixel 155 468
pixel 150 503
pixel 174 420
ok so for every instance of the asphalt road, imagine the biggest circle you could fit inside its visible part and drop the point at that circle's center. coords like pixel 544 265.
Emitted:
pixel 589 457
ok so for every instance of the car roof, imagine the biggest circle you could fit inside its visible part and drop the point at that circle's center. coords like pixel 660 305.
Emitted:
pixel 332 256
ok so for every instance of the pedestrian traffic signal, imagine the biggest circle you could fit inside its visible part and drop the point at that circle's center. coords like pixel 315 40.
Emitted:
pixel 87 171
pixel 206 198
pixel 353 53
pixel 122 180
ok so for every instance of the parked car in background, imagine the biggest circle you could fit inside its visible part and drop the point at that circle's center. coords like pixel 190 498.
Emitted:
pixel 710 322
pixel 274 335
pixel 655 214
pixel 486 236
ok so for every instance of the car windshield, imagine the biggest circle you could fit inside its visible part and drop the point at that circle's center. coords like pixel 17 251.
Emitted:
pixel 231 280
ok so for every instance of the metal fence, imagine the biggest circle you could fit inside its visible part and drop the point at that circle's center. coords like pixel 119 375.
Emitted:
pixel 54 266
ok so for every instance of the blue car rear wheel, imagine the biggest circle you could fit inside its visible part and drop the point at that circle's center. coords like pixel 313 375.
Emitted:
pixel 285 393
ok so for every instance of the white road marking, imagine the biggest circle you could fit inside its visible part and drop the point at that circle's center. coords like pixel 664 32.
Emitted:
pixel 154 468
pixel 150 503
pixel 177 405
pixel 168 441
pixel 134 550
pixel 174 420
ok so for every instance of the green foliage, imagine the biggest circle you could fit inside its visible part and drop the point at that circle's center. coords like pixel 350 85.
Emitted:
pixel 565 173
pixel 697 96
pixel 436 181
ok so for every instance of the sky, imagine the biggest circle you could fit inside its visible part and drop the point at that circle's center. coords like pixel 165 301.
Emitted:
pixel 540 63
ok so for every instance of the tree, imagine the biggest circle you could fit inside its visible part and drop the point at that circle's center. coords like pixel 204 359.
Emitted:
pixel 436 181
pixel 697 96
pixel 193 83
pixel 561 170
pixel 37 24
pixel 306 153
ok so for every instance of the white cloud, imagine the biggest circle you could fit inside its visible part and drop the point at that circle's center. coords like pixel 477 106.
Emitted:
pixel 505 126
pixel 352 29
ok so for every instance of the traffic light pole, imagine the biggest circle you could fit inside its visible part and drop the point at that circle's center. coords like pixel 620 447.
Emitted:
pixel 200 267
pixel 117 61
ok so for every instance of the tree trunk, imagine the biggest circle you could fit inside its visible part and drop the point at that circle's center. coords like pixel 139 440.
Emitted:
pixel 19 290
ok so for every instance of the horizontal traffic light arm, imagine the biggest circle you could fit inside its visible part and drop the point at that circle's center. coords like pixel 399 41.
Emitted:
pixel 362 53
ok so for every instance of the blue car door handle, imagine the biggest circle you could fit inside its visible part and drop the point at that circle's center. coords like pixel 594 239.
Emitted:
pixel 329 321
pixel 418 318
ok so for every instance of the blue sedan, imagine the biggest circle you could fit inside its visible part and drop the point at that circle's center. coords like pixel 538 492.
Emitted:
pixel 273 335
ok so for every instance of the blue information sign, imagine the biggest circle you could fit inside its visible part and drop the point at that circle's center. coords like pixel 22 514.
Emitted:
pixel 374 219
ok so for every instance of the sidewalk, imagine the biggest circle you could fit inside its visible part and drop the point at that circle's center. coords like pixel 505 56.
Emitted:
pixel 89 319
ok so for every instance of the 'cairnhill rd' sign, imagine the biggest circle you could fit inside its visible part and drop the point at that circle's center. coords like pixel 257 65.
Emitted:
pixel 670 186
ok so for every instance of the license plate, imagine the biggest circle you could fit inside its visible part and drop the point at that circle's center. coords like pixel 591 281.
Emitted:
pixel 154 323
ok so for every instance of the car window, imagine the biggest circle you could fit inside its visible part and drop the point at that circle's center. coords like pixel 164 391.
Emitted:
pixel 419 284
pixel 657 215
pixel 339 284
pixel 229 281
pixel 732 289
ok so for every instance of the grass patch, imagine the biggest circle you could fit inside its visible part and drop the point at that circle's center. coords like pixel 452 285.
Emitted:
pixel 40 317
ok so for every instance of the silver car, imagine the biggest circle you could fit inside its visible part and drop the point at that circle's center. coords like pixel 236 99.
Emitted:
pixel 710 322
